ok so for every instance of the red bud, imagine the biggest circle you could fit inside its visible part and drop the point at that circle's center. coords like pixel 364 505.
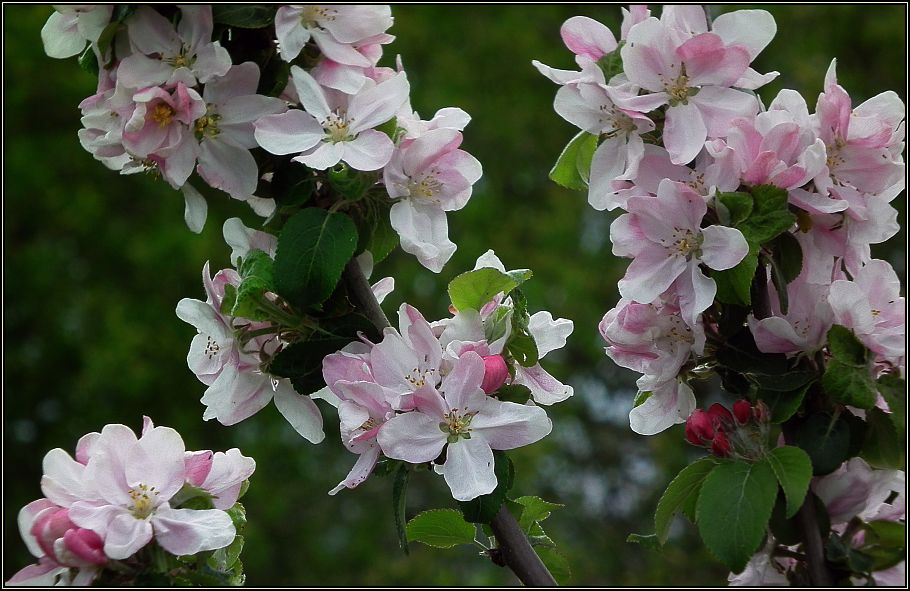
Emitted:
pixel 742 410
pixel 723 418
pixel 699 428
pixel 721 445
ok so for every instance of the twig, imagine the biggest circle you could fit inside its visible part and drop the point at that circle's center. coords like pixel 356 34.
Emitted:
pixel 515 548
pixel 819 575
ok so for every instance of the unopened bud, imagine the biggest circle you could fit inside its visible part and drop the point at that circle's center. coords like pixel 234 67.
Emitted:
pixel 85 545
pixel 723 418
pixel 699 427
pixel 495 373
pixel 721 445
pixel 761 412
pixel 742 410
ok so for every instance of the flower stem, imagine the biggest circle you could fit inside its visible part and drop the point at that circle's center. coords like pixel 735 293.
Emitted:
pixel 514 545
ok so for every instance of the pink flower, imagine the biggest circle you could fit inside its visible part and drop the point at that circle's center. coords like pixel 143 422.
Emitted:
pixel 335 127
pixel 185 55
pixel 460 418
pixel 69 28
pixel 134 479
pixel 429 176
pixel 693 75
pixel 871 306
pixel 804 328
pixel 855 489
pixel 668 403
pixel 334 28
pixel 664 237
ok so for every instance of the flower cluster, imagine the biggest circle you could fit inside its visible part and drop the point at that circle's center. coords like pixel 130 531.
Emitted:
pixel 433 392
pixel 740 433
pixel 708 177
pixel 119 494
pixel 175 96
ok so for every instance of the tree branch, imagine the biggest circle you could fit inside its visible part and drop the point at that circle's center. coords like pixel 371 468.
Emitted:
pixel 514 545
pixel 819 575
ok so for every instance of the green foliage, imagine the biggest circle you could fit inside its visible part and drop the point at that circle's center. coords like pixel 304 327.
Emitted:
pixel 793 470
pixel 734 285
pixel 521 345
pixel 556 563
pixel 733 510
pixel 88 61
pixel 769 371
pixel 681 496
pixel 484 508
pixel 473 289
pixel 374 227
pixel 534 511
pixel 826 439
pixel 893 389
pixel 313 248
pixel 292 184
pixel 847 378
pixel 883 446
pixel 440 528
pixel 573 166
pixel 737 207
pixel 256 278
pixel 783 405
pixel 349 183
pixel 611 63
pixel 244 16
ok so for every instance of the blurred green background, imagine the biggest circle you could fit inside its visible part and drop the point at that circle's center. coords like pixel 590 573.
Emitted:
pixel 95 263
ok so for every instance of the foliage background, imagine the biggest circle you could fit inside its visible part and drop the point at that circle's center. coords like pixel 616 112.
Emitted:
pixel 94 264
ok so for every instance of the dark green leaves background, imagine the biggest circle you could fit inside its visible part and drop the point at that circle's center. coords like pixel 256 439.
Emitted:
pixel 95 264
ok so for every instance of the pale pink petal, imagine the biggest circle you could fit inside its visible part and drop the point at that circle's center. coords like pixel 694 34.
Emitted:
pixel 370 150
pixel 753 29
pixel 720 106
pixel 312 97
pixel 150 33
pixel 688 19
pixel 195 208
pixel 197 464
pixel 851 306
pixel 545 389
pixel 289 30
pixel 195 26
pixel 650 274
pixel 507 425
pixel 413 437
pixel 424 233
pixel 362 468
pixel 585 36
pixel 188 531
pixel 549 333
pixel 324 155
pixel 158 460
pixel 236 396
pixel 125 535
pixel 228 167
pixel 685 132
pixel 696 293
pixel 85 446
pixel 241 80
pixel 212 62
pixel 775 335
pixel 668 405
pixel 461 386
pixel 60 37
pixel 28 515
pixel 374 106
pixel 649 55
pixel 723 247
pixel 43 574
pixel 469 469
pixel 350 23
pixel 64 480
pixel 288 133
pixel 339 52
pixel 708 61
pixel 300 411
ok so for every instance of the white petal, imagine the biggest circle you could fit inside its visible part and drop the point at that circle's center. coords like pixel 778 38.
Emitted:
pixel 300 411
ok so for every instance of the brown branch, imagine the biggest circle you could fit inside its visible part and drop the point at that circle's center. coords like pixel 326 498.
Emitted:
pixel 516 550
pixel 819 575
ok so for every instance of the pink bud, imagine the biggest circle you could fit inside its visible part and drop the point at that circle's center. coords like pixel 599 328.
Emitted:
pixel 721 445
pixel 495 373
pixel 49 527
pixel 198 464
pixel 699 427
pixel 722 417
pixel 85 545
pixel 742 410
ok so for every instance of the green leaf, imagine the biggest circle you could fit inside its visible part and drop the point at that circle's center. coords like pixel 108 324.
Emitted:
pixel 789 381
pixel 293 184
pixel 521 344
pixel 313 249
pixel 535 510
pixel 845 347
pixel 573 166
pixel 883 447
pixel 484 508
pixel 788 256
pixel 793 470
pixel 349 183
pixel 734 285
pixel 88 61
pixel 556 563
pixel 611 63
pixel 514 393
pixel 440 528
pixel 770 215
pixel 849 384
pixel 741 355
pixel 472 290
pixel 733 510
pixel 224 558
pixel 648 541
pixel 399 502
pixel 681 491
pixel 894 390
pixel 737 205
pixel 783 405
pixel 785 530
pixel 255 279
pixel 826 440
pixel 237 513
pixel 374 228
pixel 191 497
pixel 244 16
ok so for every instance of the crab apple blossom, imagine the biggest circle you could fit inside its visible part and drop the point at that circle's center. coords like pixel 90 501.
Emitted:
pixel 468 424
pixel 693 77
pixel 666 404
pixel 663 235
pixel 334 127
pixel 804 326
pixel 163 54
pixel 429 176
pixel 871 306
pixel 70 27
pixel 334 28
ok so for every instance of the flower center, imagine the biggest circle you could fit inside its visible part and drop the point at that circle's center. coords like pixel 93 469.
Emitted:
pixel 457 425
pixel 336 126
pixel 679 90
pixel 183 59
pixel 163 114
pixel 370 423
pixel 426 188
pixel 207 125
pixel 686 242
pixel 212 348
pixel 143 498
pixel 312 14
pixel 418 379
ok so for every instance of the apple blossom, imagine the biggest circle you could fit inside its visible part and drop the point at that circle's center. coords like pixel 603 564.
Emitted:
pixel 70 27
pixel 334 29
pixel 803 328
